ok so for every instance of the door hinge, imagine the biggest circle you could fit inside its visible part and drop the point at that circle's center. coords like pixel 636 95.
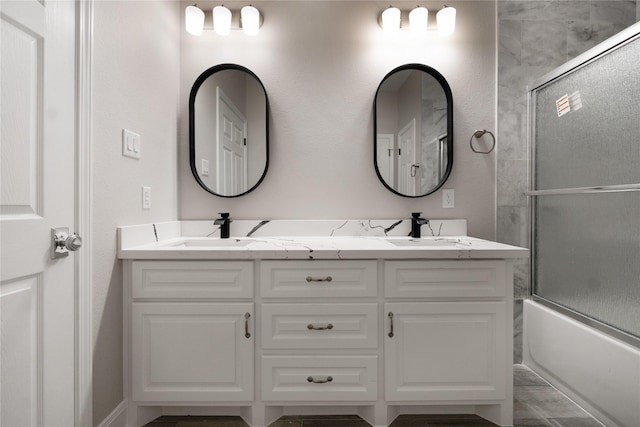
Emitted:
pixel 245 142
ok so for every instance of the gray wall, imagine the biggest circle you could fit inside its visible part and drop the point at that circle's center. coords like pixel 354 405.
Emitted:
pixel 321 63
pixel 534 37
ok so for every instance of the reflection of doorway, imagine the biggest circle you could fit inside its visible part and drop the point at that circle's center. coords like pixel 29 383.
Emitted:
pixel 386 158
pixel 407 166
pixel 231 147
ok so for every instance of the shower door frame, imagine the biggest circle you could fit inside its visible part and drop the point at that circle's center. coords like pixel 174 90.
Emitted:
pixel 630 34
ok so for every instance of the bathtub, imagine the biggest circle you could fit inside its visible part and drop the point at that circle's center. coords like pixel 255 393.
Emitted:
pixel 598 372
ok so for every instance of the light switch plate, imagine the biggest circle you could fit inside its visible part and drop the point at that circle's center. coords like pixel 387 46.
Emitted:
pixel 130 144
pixel 146 197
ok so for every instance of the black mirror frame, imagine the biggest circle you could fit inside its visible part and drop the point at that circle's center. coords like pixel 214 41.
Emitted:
pixel 192 138
pixel 447 90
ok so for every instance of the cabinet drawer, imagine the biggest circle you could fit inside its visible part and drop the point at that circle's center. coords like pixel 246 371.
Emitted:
pixel 319 326
pixel 318 279
pixel 410 279
pixel 192 279
pixel 319 378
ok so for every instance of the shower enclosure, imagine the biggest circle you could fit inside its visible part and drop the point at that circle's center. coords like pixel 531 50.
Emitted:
pixel 586 189
pixel 584 123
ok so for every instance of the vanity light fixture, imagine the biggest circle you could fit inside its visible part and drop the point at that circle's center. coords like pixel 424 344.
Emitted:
pixel 222 20
pixel 392 20
pixel 446 19
pixel 250 20
pixel 419 20
pixel 194 20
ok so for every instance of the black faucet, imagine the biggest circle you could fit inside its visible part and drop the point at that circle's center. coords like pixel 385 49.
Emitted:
pixel 223 222
pixel 416 223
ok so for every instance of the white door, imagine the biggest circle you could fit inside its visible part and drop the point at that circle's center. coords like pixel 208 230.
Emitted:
pixel 232 156
pixel 385 157
pixel 37 305
pixel 407 159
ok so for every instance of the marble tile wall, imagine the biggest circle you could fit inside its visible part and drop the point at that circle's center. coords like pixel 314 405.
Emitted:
pixel 534 37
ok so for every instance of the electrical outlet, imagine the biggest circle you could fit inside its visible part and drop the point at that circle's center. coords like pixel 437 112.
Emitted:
pixel 146 197
pixel 448 198
pixel 130 144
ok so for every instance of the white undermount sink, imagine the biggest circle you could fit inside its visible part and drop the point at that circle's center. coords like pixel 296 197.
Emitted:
pixel 426 242
pixel 207 242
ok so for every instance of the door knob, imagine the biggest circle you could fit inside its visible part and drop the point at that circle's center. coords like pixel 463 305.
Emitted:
pixel 62 242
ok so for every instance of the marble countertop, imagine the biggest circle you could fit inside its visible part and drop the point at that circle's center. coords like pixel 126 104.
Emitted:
pixel 361 240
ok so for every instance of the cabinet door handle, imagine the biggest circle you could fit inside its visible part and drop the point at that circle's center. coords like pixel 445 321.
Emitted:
pixel 391 323
pixel 246 325
pixel 313 327
pixel 319 279
pixel 315 381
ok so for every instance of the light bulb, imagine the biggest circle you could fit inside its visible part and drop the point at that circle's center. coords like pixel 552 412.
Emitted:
pixel 446 18
pixel 221 20
pixel 194 20
pixel 250 17
pixel 391 20
pixel 418 20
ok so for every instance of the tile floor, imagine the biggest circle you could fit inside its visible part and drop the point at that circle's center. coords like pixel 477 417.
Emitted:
pixel 536 404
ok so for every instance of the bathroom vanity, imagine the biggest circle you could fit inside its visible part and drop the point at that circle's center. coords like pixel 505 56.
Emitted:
pixel 268 326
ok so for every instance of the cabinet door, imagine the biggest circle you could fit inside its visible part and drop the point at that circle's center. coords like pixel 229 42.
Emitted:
pixel 192 352
pixel 445 351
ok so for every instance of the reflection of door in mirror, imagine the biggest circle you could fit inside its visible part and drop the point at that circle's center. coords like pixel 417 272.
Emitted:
pixel 407 167
pixel 231 147
pixel 386 157
pixel 442 150
pixel 413 103
pixel 228 130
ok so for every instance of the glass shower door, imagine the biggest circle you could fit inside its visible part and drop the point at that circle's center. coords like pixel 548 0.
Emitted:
pixel 585 188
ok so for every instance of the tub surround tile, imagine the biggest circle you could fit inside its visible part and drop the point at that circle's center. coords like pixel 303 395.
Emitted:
pixel 512 183
pixel 510 43
pixel 512 225
pixel 582 36
pixel 613 11
pixel 544 43
pixel 510 132
pixel 521 279
pixel 517 333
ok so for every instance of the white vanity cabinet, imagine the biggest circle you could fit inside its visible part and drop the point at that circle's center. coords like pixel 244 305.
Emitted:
pixel 315 346
pixel 446 337
pixel 192 331
pixel 262 338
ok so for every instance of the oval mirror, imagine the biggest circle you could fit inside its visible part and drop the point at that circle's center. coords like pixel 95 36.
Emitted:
pixel 228 130
pixel 413 130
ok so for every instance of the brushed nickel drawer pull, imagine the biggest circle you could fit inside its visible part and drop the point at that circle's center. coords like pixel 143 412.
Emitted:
pixel 319 279
pixel 391 322
pixel 246 325
pixel 313 380
pixel 313 327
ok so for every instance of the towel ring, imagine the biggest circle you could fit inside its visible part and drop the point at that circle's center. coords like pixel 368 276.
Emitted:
pixel 478 134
